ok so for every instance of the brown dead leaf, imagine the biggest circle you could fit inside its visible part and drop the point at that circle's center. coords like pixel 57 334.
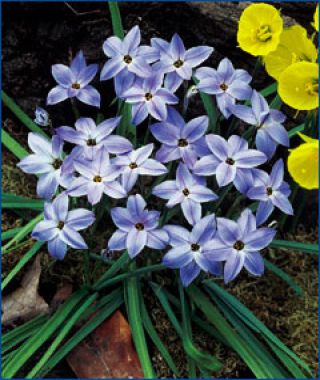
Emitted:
pixel 107 352
pixel 60 296
pixel 25 302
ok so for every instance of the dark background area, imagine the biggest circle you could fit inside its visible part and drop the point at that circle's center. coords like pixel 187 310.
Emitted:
pixel 37 35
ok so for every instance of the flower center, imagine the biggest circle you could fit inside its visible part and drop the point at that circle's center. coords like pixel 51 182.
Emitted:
pixel 139 226
pixel 57 163
pixel 148 96
pixel 185 192
pixel 182 143
pixel 97 178
pixel 311 88
pixel 264 33
pixel 60 225
pixel 269 191
pixel 238 245
pixel 127 59
pixel 195 247
pixel 75 86
pixel 133 165
pixel 91 142
pixel 178 63
pixel 230 161
pixel 223 87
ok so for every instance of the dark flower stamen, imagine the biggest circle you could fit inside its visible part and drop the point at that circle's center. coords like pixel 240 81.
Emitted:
pixel 133 165
pixel 182 143
pixel 178 63
pixel 57 163
pixel 139 226
pixel 60 225
pixel 186 192
pixel 75 86
pixel 195 247
pixel 238 245
pixel 269 191
pixel 127 59
pixel 97 178
pixel 229 161
pixel 148 96
pixel 91 142
pixel 224 87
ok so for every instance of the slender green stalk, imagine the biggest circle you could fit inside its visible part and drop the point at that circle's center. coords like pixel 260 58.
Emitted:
pixel 187 329
pixel 22 116
pixel 148 326
pixel 296 246
pixel 74 107
pixel 134 315
pixel 202 359
pixel 101 315
pixel 116 19
pixel 216 318
pixel 44 333
pixel 11 144
pixel 23 232
pixel 64 331
pixel 284 276
pixel 127 275
pixel 115 267
pixel 17 246
pixel 257 67
pixel 14 337
pixel 249 318
pixel 21 263
pixel 6 235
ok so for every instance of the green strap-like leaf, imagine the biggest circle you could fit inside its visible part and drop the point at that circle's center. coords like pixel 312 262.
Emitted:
pixel 11 144
pixel 210 109
pixel 22 116
pixel 135 320
pixel 69 323
pixel 296 246
pixel 21 263
pixel 24 231
pixel 43 334
pixel 148 325
pixel 221 324
pixel 249 317
pixel 202 359
pixel 101 315
pixel 284 276
pixel 116 19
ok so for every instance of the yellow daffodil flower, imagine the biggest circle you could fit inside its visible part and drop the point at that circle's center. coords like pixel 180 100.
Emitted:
pixel 315 22
pixel 260 27
pixel 298 86
pixel 303 163
pixel 294 46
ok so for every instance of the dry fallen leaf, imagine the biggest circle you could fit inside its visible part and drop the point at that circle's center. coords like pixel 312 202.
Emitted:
pixel 107 352
pixel 25 302
pixel 60 296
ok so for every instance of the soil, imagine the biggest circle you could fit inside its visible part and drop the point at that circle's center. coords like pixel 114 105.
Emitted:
pixel 37 35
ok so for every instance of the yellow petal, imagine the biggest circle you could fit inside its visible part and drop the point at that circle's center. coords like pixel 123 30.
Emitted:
pixel 303 165
pixel 298 86
pixel 308 139
pixel 294 46
pixel 315 22
pixel 259 30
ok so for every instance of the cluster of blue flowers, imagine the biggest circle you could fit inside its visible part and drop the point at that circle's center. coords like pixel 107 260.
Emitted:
pixel 102 162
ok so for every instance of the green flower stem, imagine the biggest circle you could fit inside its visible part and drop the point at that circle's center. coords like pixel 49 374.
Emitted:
pixel 22 116
pixel 132 273
pixel 135 320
